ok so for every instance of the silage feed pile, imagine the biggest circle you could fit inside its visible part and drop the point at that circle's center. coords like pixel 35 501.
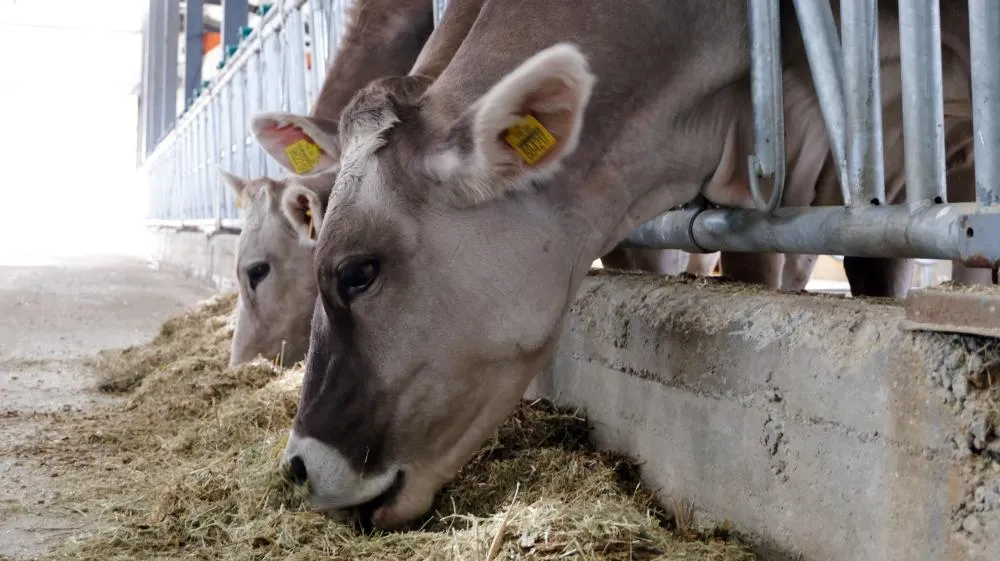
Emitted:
pixel 186 467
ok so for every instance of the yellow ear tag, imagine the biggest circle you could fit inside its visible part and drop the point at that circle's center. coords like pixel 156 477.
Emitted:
pixel 312 227
pixel 304 155
pixel 239 202
pixel 530 139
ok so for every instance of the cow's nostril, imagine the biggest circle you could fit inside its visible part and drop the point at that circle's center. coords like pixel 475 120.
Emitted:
pixel 297 470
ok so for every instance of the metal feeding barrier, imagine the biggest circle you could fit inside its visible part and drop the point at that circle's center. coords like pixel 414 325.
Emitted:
pixel 280 65
pixel 269 70
pixel 846 74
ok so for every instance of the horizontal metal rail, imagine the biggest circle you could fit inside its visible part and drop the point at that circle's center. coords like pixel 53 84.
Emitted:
pixel 957 231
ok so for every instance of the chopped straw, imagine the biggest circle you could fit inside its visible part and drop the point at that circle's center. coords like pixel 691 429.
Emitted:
pixel 186 467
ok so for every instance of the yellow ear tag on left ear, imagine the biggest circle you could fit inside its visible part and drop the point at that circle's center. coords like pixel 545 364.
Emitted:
pixel 530 139
pixel 304 155
pixel 239 202
pixel 312 225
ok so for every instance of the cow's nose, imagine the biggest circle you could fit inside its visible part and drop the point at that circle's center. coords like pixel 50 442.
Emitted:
pixel 297 470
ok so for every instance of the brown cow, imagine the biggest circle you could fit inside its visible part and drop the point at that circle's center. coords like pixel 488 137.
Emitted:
pixel 468 209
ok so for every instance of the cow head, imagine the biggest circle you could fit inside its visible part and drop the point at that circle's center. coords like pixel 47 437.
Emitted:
pixel 274 264
pixel 444 278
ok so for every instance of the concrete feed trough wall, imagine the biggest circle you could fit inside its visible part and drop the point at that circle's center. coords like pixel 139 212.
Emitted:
pixel 812 423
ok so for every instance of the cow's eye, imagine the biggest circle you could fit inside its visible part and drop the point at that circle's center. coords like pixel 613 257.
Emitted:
pixel 355 275
pixel 256 273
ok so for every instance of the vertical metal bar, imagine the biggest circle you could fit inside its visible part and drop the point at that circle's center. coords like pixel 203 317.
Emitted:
pixel 984 36
pixel 923 101
pixel 239 122
pixel 208 170
pixel 272 93
pixel 226 97
pixel 439 7
pixel 337 16
pixel 768 160
pixel 170 70
pixel 293 32
pixel 199 154
pixel 317 12
pixel 144 140
pixel 218 151
pixel 180 152
pixel 826 63
pixel 253 106
pixel 191 192
pixel 194 26
pixel 234 16
pixel 157 39
pixel 863 101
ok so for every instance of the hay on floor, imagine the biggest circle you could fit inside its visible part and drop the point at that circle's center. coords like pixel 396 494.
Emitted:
pixel 194 454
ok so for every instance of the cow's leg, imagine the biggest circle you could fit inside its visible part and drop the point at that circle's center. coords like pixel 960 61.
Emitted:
pixel 876 276
pixel 796 271
pixel 664 261
pixel 754 268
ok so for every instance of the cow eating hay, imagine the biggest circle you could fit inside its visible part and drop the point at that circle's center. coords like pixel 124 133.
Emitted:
pixel 187 467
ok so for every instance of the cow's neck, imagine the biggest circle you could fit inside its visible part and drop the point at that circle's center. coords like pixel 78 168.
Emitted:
pixel 662 105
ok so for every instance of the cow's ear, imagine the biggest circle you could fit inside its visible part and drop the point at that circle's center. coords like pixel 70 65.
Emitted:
pixel 235 183
pixel 521 130
pixel 302 145
pixel 304 210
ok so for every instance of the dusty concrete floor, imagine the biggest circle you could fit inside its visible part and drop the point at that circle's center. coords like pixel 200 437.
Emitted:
pixel 51 319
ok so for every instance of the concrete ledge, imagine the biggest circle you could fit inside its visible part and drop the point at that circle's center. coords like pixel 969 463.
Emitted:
pixel 206 255
pixel 811 422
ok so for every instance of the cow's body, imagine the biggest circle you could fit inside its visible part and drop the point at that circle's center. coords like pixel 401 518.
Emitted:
pixel 450 253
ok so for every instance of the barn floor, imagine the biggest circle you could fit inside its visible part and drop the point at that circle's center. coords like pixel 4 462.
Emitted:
pixel 53 316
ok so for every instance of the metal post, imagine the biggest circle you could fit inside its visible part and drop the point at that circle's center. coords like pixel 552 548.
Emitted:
pixel 253 106
pixel 768 160
pixel 984 35
pixel 863 101
pixel 826 63
pixel 923 101
pixel 154 101
pixel 317 45
pixel 143 133
pixel 194 26
pixel 296 49
pixel 234 16
pixel 238 122
pixel 171 24
pixel 439 7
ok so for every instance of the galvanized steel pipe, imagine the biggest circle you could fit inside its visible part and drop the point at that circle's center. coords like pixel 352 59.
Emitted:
pixel 768 160
pixel 826 64
pixel 923 101
pixel 862 101
pixel 984 35
pixel 951 231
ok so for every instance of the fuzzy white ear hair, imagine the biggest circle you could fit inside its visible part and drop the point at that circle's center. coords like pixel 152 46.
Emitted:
pixel 304 211
pixel 522 129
